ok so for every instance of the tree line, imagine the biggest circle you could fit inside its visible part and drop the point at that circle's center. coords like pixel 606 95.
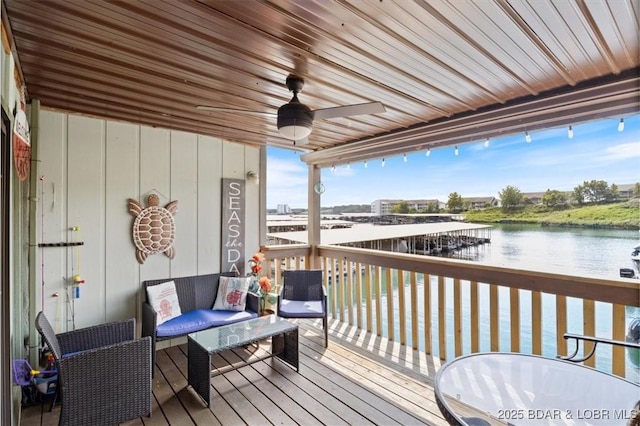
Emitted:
pixel 589 192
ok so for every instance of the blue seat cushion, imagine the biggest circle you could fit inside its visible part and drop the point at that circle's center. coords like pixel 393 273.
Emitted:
pixel 201 319
pixel 301 308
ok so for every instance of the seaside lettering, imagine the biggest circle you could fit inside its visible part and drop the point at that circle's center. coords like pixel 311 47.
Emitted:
pixel 233 241
pixel 234 268
pixel 234 231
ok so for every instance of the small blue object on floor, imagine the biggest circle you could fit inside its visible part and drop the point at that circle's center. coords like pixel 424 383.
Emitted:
pixel 45 382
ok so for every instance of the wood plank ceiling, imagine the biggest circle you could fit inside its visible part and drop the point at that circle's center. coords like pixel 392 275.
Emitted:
pixel 447 71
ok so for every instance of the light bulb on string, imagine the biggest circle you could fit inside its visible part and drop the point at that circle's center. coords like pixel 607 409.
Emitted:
pixel 365 164
pixel 333 168
pixel 428 153
pixel 570 132
pixel 383 162
pixel 621 125
pixel 455 151
pixel 405 158
pixel 527 137
pixel 486 143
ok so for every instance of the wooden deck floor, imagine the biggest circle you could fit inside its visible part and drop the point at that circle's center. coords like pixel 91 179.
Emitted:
pixel 360 379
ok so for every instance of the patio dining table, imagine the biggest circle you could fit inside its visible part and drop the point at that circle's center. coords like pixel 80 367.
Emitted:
pixel 518 389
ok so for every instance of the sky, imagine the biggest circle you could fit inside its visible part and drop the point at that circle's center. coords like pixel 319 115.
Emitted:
pixel 598 151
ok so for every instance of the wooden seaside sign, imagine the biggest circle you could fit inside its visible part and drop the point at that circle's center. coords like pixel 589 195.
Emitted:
pixel 233 214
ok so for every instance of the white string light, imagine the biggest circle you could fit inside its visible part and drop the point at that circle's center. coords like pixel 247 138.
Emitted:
pixel 428 153
pixel 486 143
pixel 383 162
pixel 621 125
pixel 455 151
pixel 570 132
pixel 405 158
pixel 365 164
pixel 527 137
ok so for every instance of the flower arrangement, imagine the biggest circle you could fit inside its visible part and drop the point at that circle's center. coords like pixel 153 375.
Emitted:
pixel 261 285
pixel 255 263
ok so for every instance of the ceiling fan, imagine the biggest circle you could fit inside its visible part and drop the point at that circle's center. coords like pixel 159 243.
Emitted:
pixel 295 119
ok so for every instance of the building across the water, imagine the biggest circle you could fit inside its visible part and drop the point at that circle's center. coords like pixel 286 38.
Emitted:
pixel 384 207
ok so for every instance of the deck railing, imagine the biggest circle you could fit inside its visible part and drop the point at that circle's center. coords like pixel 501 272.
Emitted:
pixel 467 306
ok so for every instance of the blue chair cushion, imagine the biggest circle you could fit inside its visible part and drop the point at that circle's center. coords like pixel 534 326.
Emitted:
pixel 201 319
pixel 301 308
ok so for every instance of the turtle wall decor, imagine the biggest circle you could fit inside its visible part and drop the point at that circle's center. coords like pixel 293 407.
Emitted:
pixel 154 227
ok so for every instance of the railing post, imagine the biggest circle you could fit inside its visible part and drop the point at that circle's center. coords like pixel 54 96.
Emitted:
pixel 494 315
pixel 536 322
pixel 457 318
pixel 589 327
pixel 561 324
pixel 475 317
pixel 618 325
pixel 442 318
pixel 427 314
pixel 514 310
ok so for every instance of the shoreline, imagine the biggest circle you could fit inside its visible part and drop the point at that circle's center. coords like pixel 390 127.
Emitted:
pixel 594 225
pixel 624 215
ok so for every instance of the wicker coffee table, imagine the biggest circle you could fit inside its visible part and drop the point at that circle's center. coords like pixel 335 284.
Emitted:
pixel 203 344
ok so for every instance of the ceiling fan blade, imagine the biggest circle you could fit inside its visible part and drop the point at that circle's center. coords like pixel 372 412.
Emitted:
pixel 349 110
pixel 233 110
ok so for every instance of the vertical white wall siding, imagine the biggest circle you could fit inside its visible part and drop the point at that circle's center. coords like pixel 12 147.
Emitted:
pixel 155 176
pixel 184 188
pixel 122 167
pixel 51 218
pixel 85 204
pixel 95 166
pixel 209 187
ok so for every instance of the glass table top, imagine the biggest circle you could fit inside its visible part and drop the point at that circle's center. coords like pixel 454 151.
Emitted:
pixel 520 389
pixel 220 338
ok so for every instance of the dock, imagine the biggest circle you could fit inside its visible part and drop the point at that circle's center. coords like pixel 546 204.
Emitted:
pixel 423 238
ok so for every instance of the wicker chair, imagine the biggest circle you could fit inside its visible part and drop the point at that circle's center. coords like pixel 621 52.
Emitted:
pixel 104 373
pixel 303 296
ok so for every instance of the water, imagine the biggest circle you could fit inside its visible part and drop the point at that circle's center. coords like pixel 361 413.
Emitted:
pixel 573 251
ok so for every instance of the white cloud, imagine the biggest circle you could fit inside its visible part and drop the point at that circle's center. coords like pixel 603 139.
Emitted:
pixel 621 152
pixel 282 172
pixel 286 182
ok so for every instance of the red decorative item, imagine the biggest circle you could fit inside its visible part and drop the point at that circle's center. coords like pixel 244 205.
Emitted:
pixel 21 145
pixel 234 297
pixel 265 284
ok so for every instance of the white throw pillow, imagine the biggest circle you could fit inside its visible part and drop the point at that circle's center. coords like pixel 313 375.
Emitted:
pixel 164 300
pixel 232 293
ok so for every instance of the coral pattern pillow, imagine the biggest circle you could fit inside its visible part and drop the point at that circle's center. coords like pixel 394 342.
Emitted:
pixel 163 298
pixel 232 293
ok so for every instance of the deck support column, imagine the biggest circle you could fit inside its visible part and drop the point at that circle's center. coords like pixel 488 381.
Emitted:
pixel 313 216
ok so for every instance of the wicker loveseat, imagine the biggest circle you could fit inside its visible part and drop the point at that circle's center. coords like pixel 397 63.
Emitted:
pixel 196 295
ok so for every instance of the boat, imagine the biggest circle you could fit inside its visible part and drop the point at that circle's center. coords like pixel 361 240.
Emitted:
pixel 635 260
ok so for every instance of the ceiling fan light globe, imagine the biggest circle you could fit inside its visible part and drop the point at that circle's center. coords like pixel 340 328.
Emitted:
pixel 295 132
pixel 295 121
